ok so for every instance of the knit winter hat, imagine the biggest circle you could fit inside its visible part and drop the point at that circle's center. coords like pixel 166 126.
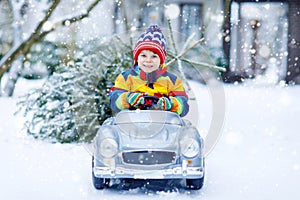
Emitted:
pixel 154 40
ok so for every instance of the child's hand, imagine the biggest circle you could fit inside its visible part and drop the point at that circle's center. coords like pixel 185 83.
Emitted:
pixel 135 99
pixel 164 103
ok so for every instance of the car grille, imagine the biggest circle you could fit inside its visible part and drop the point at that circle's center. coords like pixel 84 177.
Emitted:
pixel 149 157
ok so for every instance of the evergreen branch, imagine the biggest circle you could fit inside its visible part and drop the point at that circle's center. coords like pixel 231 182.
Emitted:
pixel 172 36
pixel 176 52
pixel 206 65
pixel 123 43
pixel 188 41
pixel 184 52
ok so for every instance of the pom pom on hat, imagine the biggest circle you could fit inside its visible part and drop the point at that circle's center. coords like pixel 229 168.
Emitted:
pixel 154 40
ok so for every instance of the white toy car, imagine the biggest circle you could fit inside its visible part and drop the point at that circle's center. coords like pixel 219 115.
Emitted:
pixel 148 145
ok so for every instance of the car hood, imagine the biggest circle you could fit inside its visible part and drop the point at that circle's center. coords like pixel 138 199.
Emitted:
pixel 148 129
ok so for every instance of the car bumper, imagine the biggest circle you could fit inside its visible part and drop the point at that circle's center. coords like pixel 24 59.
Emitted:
pixel 170 173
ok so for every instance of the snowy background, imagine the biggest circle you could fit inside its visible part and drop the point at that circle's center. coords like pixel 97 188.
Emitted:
pixel 256 157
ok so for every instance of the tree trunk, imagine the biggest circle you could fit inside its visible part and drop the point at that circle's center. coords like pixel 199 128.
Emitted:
pixel 16 66
pixel 6 19
pixel 13 75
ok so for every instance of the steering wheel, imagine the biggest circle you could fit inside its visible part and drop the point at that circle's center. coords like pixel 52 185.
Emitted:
pixel 150 101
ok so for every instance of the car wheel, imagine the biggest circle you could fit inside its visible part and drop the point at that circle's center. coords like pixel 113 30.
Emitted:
pixel 194 184
pixel 99 183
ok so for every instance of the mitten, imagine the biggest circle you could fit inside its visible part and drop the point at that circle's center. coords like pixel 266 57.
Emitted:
pixel 164 103
pixel 135 99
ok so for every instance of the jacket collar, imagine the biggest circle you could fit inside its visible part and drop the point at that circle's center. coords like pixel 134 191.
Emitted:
pixel 149 77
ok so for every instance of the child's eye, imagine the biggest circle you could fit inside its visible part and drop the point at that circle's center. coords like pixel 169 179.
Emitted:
pixel 154 56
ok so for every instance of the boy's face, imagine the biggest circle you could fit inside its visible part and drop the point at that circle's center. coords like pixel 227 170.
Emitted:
pixel 148 61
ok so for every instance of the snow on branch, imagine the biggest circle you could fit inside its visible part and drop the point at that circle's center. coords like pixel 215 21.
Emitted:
pixel 38 35
pixel 67 22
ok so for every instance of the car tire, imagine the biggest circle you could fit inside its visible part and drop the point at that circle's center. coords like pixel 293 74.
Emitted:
pixel 99 183
pixel 194 184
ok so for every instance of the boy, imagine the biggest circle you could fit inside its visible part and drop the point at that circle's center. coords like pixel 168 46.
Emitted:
pixel 149 77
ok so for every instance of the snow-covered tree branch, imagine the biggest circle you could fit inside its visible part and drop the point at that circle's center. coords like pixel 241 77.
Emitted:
pixel 38 35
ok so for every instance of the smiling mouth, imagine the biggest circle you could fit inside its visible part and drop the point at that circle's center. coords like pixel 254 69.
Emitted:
pixel 148 66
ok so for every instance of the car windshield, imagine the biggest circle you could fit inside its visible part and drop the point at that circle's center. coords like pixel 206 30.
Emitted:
pixel 148 116
pixel 147 123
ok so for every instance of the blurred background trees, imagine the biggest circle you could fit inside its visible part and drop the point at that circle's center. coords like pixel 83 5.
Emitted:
pixel 79 48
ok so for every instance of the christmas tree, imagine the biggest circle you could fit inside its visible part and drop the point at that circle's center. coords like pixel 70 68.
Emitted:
pixel 73 102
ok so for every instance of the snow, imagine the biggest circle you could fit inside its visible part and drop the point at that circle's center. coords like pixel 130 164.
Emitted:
pixel 256 157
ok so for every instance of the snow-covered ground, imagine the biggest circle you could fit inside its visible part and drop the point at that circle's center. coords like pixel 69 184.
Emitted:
pixel 257 156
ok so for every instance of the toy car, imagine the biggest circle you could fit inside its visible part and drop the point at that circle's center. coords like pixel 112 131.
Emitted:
pixel 148 144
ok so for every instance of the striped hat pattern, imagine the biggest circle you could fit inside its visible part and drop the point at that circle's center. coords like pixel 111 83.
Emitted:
pixel 154 40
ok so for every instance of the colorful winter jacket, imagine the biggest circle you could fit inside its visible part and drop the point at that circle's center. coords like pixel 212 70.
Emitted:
pixel 158 83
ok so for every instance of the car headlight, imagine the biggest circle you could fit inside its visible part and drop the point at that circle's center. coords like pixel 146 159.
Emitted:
pixel 108 148
pixel 189 147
